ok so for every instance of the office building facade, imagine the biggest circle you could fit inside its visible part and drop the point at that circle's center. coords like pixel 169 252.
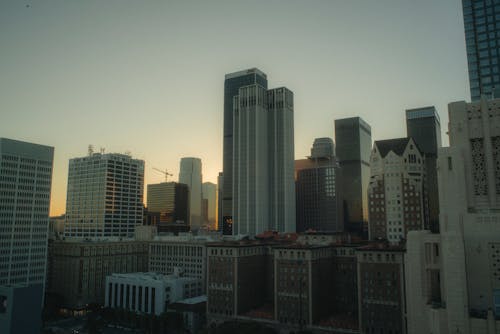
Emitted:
pixel 171 201
pixel 190 174
pixel 353 146
pixel 454 275
pixel 263 187
pixel 232 83
pixel 424 126
pixel 104 196
pixel 397 194
pixel 318 195
pixel 482 37
pixel 25 183
pixel 209 191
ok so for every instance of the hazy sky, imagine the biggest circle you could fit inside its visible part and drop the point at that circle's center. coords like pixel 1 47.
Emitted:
pixel 147 76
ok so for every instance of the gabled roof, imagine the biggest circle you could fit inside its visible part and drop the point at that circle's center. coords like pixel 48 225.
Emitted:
pixel 397 145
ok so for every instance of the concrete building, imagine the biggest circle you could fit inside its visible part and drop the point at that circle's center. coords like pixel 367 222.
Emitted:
pixel 381 286
pixel 263 193
pixel 171 201
pixel 353 141
pixel 104 196
pixel 193 312
pixel 453 277
pixel 424 126
pixel 319 203
pixel 78 269
pixel 149 292
pixel 482 28
pixel 190 174
pixel 25 182
pixel 220 181
pixel 185 252
pixel 209 193
pixel 289 283
pixel 232 83
pixel 397 193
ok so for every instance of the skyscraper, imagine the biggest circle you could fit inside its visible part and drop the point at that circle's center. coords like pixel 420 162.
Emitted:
pixel 209 191
pixel 482 37
pixel 423 125
pixel 281 157
pixel 232 83
pixel 105 196
pixel 353 146
pixel 25 182
pixel 171 201
pixel 190 174
pixel 263 187
pixel 319 203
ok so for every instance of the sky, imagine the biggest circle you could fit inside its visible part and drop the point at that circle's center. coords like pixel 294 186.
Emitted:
pixel 147 76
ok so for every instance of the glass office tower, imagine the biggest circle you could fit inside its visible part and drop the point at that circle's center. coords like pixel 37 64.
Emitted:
pixel 482 37
pixel 232 84
pixel 353 139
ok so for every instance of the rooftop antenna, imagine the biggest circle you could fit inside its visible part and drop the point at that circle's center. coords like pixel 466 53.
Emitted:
pixel 91 150
pixel 167 174
pixel 102 150
pixel 128 153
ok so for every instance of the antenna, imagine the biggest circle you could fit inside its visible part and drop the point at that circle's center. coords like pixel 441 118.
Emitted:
pixel 128 153
pixel 165 172
pixel 91 150
pixel 102 150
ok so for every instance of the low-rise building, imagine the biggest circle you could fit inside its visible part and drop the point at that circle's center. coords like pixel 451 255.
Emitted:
pixel 78 268
pixel 149 292
pixel 185 251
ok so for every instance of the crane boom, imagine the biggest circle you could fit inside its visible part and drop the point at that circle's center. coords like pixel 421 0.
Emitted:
pixel 165 172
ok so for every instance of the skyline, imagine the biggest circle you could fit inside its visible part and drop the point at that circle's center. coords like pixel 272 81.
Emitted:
pixel 132 76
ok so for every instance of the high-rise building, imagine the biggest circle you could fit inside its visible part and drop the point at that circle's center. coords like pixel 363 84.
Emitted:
pixel 263 187
pixel 318 199
pixel 281 157
pixel 209 191
pixel 353 146
pixel 104 196
pixel 220 182
pixel 453 278
pixel 190 174
pixel 25 181
pixel 171 201
pixel 232 83
pixel 423 125
pixel 396 193
pixel 482 33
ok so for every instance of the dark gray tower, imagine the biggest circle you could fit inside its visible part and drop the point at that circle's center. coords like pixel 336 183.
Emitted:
pixel 423 125
pixel 319 202
pixel 353 139
pixel 232 84
pixel 482 32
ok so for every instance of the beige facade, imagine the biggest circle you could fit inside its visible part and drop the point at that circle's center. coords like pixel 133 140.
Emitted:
pixel 78 269
pixel 468 263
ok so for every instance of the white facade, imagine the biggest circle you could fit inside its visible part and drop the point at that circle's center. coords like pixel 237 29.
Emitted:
pixel 263 161
pixel 396 193
pixel 104 196
pixel 149 292
pixel 190 174
pixel 25 181
pixel 469 240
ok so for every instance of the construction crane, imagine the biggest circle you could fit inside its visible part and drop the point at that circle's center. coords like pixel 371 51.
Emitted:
pixel 165 172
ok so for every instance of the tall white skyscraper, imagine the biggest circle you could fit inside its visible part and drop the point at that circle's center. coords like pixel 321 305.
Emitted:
pixel 105 196
pixel 263 161
pixel 25 182
pixel 190 174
